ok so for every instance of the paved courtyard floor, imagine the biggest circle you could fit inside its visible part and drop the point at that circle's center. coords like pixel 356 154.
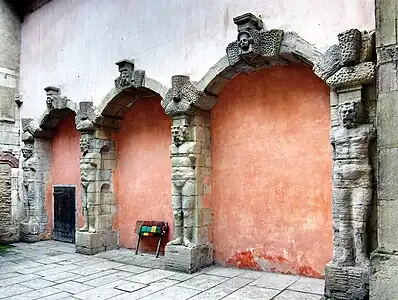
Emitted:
pixel 52 270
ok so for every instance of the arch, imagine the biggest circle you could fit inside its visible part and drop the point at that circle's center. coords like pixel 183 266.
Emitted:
pixel 119 100
pixel 9 159
pixel 292 49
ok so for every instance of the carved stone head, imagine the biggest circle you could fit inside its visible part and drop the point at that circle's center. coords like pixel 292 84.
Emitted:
pixel 349 114
pixel 245 40
pixel 27 152
pixel 179 134
pixel 126 77
pixel 84 146
pixel 52 93
pixel 87 171
pixel 126 69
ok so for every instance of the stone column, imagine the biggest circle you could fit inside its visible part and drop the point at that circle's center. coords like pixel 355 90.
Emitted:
pixel 190 248
pixel 348 68
pixel 35 168
pixel 98 201
pixel 384 261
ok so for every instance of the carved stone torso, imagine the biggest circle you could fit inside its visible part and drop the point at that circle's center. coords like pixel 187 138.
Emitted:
pixel 183 161
pixel 88 168
pixel 352 164
pixel 29 167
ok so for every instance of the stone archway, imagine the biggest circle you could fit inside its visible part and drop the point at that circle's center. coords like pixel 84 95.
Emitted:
pixel 348 69
pixel 99 126
pixel 36 164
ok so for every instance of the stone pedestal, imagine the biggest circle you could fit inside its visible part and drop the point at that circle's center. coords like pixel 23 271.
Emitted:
pixel 346 283
pixel 188 259
pixel 92 243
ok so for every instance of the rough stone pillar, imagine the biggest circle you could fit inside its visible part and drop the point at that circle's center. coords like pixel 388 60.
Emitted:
pixel 35 168
pixel 190 248
pixel 98 201
pixel 384 260
pixel 9 230
pixel 348 68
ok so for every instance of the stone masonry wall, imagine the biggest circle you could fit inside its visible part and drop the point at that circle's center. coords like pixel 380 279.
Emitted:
pixel 384 261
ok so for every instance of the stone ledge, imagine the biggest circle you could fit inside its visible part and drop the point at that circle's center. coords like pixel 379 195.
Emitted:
pixel 92 243
pixel 188 259
pixel 346 283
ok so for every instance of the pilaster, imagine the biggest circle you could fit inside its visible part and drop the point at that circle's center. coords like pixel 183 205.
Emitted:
pixel 384 260
pixel 98 201
pixel 190 156
pixel 349 70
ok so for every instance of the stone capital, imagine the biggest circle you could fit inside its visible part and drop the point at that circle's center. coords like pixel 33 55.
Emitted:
pixel 183 97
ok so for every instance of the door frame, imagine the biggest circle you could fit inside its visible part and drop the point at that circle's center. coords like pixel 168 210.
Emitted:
pixel 76 214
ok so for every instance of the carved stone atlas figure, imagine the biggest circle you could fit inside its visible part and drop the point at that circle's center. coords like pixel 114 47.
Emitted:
pixel 352 189
pixel 88 172
pixel 183 162
pixel 29 167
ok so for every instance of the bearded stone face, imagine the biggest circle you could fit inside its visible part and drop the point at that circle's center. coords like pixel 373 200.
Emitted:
pixel 125 78
pixel 348 114
pixel 179 134
pixel 84 146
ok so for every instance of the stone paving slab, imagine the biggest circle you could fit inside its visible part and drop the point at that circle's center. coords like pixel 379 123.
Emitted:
pixel 275 281
pixel 52 270
pixel 291 295
pixel 252 293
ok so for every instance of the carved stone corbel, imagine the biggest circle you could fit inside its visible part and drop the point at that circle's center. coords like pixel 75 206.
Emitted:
pixel 184 97
pixel 351 63
pixel 129 77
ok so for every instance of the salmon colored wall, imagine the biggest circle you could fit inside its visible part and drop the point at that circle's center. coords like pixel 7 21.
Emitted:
pixel 143 176
pixel 271 172
pixel 65 165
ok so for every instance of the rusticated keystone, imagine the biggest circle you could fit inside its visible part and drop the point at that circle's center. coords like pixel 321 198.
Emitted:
pixel 128 76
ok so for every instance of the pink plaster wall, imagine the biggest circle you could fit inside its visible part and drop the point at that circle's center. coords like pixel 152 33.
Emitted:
pixel 65 165
pixel 271 172
pixel 143 175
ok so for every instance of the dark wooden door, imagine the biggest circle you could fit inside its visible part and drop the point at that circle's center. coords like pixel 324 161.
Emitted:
pixel 64 213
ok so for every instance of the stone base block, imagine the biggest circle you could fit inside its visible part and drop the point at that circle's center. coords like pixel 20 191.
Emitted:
pixel 92 243
pixel 188 259
pixel 346 283
pixel 10 236
pixel 384 279
pixel 29 231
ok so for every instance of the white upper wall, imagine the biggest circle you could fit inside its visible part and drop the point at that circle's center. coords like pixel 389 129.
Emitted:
pixel 74 44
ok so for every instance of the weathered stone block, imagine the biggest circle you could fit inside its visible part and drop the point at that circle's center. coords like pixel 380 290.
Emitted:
pixel 387 188
pixel 92 243
pixel 387 125
pixel 384 275
pixel 387 77
pixel 346 283
pixel 387 223
pixel 188 259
